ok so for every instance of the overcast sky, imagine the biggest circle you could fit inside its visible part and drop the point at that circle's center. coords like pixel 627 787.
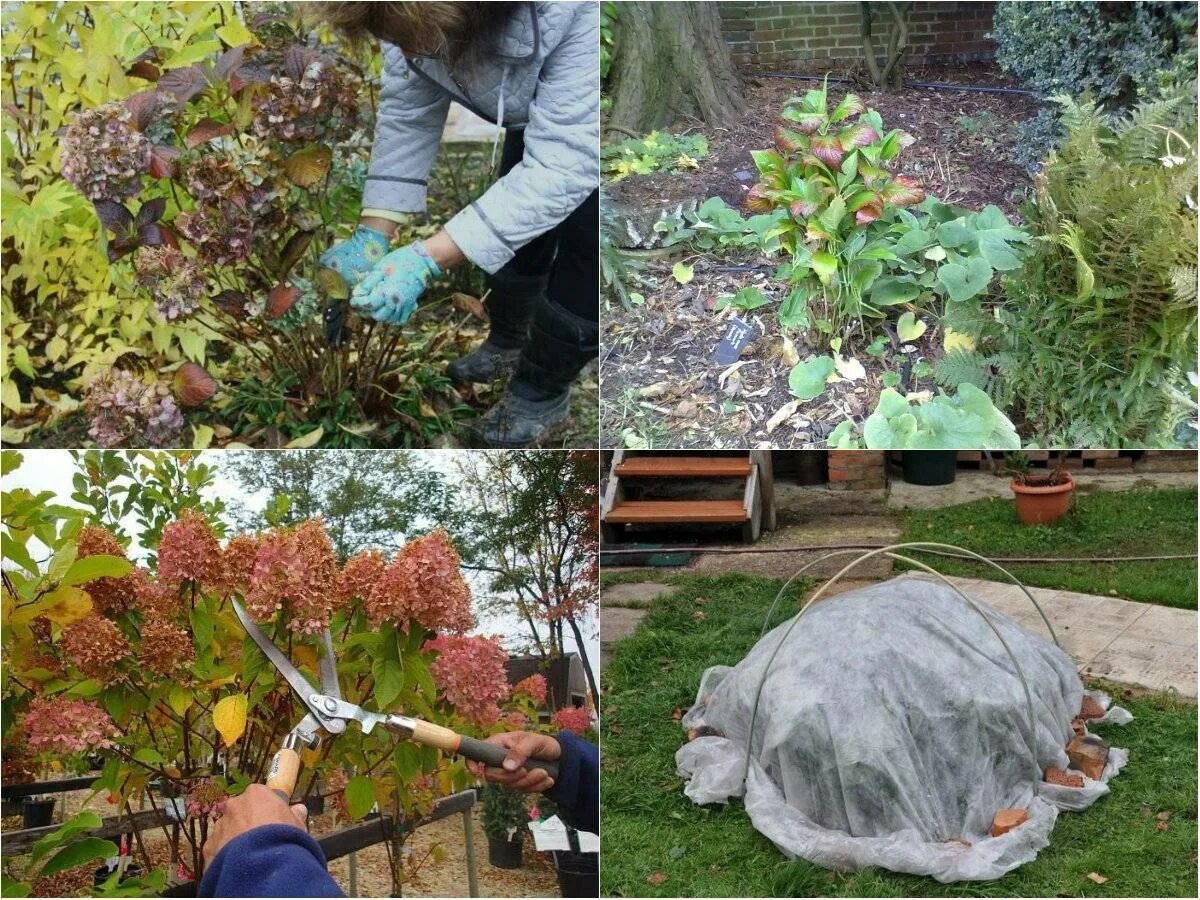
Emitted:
pixel 52 470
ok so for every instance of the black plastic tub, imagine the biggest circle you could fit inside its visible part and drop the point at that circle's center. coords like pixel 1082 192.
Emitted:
pixel 929 467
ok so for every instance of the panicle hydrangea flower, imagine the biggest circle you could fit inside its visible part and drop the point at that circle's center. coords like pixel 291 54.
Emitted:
pixel 573 718
pixel 533 687
pixel 95 645
pixel 57 724
pixel 237 562
pixel 296 568
pixel 470 673
pixel 320 105
pixel 125 410
pixel 166 649
pixel 154 599
pixel 174 281
pixel 189 551
pixel 103 155
pixel 109 595
pixel 206 799
pixel 238 204
pixel 423 584
pixel 359 576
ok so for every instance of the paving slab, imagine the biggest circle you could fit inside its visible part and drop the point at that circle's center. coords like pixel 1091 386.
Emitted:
pixel 634 595
pixel 981 485
pixel 1139 644
pixel 616 622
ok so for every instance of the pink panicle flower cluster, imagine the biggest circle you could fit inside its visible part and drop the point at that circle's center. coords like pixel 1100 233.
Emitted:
pixel 573 718
pixel 95 645
pixel 189 551
pixel 125 409
pixel 423 584
pixel 166 649
pixel 175 282
pixel 359 576
pixel 206 799
pixel 471 675
pixel 153 599
pixel 60 725
pixel 533 687
pixel 109 595
pixel 103 155
pixel 237 562
pixel 296 568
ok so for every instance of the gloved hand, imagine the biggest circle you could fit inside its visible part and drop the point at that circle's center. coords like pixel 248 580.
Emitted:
pixel 354 257
pixel 389 293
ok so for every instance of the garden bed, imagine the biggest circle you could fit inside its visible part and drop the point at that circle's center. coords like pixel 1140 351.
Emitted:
pixel 661 387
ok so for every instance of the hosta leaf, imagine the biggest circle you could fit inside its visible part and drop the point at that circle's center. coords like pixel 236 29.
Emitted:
pixel 308 166
pixel 892 289
pixel 205 130
pixel 997 238
pixel 964 282
pixel 909 327
pixel 953 340
pixel 807 379
pixel 229 718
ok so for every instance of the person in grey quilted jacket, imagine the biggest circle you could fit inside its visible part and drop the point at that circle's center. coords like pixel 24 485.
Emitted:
pixel 533 69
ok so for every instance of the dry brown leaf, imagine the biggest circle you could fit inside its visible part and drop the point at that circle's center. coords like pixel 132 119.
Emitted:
pixel 651 391
pixel 472 306
pixel 724 375
pixel 1096 877
pixel 782 414
pixel 788 352
pixel 677 714
pixel 699 616
pixel 656 878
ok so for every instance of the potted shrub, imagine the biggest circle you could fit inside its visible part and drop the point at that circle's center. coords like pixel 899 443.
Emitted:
pixel 931 467
pixel 504 819
pixel 37 812
pixel 1041 499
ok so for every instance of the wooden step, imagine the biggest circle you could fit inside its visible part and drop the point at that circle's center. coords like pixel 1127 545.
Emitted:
pixel 683 467
pixel 634 512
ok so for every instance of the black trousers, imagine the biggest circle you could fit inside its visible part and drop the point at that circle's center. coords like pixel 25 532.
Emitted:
pixel 553 285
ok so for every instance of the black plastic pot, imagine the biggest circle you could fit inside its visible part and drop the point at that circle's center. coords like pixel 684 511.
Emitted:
pixel 10 808
pixel 101 875
pixel 930 467
pixel 315 804
pixel 578 873
pixel 505 854
pixel 37 812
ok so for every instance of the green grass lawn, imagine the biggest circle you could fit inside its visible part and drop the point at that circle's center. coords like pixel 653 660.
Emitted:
pixel 650 828
pixel 1128 523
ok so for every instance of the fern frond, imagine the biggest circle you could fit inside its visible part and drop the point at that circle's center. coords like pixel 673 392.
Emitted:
pixel 963 367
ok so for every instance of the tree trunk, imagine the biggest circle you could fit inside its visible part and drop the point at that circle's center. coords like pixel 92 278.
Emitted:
pixel 888 74
pixel 583 658
pixel 671 61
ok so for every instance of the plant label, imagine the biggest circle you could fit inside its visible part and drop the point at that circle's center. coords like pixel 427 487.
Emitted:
pixel 738 335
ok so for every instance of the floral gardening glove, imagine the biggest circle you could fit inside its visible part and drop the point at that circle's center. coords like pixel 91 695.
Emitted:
pixel 389 293
pixel 354 257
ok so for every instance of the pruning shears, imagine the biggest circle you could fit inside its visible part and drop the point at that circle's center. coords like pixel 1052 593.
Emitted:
pixel 328 713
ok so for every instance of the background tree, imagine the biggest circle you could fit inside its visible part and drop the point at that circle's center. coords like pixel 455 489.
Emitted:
pixel 536 519
pixel 367 498
pixel 669 60
pixel 887 24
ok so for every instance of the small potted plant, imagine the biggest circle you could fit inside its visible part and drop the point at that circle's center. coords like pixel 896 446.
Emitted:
pixel 504 819
pixel 1040 499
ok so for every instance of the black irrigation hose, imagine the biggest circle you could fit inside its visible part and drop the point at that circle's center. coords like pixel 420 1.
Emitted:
pixel 927 85
pixel 865 546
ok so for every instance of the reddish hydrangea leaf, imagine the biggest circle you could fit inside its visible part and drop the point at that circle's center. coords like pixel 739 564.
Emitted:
pixel 185 83
pixel 144 70
pixel 113 215
pixel 757 201
pixel 162 161
pixel 232 303
pixel 293 250
pixel 205 130
pixel 297 58
pixel 193 384
pixel 228 62
pixel 151 211
pixel 281 298
pixel 248 74
pixel 814 233
pixel 789 141
pixel 868 213
pixel 903 191
pixel 308 166
pixel 802 209
pixel 826 148
pixel 806 122
pixel 858 135
pixel 169 237
pixel 850 105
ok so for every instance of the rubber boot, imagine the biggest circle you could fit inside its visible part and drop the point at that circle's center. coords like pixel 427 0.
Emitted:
pixel 539 396
pixel 512 302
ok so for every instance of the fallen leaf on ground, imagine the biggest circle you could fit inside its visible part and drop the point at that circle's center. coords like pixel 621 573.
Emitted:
pixel 657 877
pixel 724 375
pixel 782 414
pixel 472 306
pixel 677 714
pixel 699 616
pixel 1097 877
pixel 788 352
pixel 849 368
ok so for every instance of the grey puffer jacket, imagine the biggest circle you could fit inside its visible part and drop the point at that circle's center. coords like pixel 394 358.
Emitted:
pixel 545 78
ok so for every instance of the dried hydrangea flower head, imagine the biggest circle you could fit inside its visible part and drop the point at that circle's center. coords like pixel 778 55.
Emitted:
pixel 57 724
pixel 295 572
pixel 153 599
pixel 126 410
pixel 111 596
pixel 206 800
pixel 533 687
pixel 95 645
pixel 189 551
pixel 573 718
pixel 238 203
pixel 165 649
pixel 315 99
pixel 471 675
pixel 423 584
pixel 103 155
pixel 175 282
pixel 359 576
pixel 237 563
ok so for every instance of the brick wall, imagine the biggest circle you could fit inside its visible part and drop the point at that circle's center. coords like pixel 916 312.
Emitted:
pixel 808 36
pixel 856 470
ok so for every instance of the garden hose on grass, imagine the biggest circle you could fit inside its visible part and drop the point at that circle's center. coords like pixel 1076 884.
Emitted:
pixel 890 552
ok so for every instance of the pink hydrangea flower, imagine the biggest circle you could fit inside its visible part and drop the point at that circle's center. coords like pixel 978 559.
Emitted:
pixel 423 584
pixel 296 569
pixel 189 551
pixel 359 576
pixel 110 595
pixel 57 724
pixel 95 645
pixel 573 718
pixel 533 687
pixel 206 799
pixel 470 673
pixel 237 562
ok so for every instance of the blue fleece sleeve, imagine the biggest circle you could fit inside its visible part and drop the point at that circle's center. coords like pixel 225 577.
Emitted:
pixel 577 789
pixel 269 861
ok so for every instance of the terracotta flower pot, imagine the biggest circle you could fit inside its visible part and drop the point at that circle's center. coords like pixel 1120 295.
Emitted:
pixel 1041 504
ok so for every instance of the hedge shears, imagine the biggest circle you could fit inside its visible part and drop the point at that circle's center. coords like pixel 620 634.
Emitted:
pixel 328 713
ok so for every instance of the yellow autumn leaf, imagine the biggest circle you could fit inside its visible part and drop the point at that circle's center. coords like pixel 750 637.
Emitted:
pixel 956 340
pixel 67 605
pixel 310 757
pixel 229 717
pixel 179 699
pixel 305 657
